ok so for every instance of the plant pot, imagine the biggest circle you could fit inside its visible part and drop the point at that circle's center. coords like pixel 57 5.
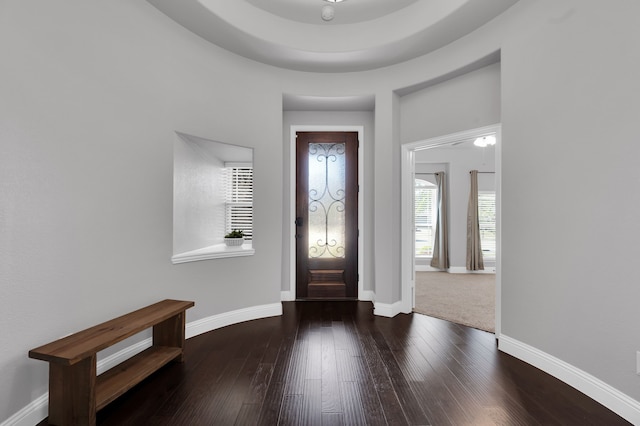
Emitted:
pixel 234 242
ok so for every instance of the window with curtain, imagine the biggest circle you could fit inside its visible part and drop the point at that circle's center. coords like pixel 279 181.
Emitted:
pixel 425 199
pixel 487 222
pixel 239 199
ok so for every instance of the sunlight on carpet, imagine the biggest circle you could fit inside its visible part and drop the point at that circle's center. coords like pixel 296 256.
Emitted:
pixel 467 299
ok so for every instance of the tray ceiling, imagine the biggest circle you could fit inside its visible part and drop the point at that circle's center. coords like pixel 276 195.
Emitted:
pixel 365 34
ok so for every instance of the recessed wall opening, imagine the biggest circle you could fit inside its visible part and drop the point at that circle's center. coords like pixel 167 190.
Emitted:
pixel 212 195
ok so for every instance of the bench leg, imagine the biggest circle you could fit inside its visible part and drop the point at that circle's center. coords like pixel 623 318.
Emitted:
pixel 170 332
pixel 72 393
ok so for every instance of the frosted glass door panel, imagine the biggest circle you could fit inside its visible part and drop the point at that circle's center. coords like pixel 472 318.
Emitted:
pixel 326 200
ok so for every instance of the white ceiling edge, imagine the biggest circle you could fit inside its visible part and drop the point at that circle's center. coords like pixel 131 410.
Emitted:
pixel 291 102
pixel 346 12
pixel 412 31
pixel 274 29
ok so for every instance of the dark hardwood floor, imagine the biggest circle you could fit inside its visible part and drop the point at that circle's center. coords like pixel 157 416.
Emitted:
pixel 335 363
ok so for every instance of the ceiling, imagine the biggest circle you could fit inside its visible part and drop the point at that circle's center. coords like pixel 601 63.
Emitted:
pixel 363 35
pixel 346 12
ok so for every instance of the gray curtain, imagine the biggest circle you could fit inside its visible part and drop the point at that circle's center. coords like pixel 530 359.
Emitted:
pixel 440 257
pixel 474 248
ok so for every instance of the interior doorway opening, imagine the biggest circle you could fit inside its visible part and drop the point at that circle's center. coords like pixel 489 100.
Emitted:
pixel 410 170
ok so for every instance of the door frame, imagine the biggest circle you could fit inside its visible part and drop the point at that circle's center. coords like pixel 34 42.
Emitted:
pixel 291 294
pixel 407 168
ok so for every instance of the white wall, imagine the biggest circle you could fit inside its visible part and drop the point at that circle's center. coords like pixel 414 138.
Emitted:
pixel 466 102
pixel 198 196
pixel 90 97
pixel 570 109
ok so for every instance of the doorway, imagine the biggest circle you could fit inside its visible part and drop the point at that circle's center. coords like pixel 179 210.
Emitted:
pixel 407 227
pixel 326 215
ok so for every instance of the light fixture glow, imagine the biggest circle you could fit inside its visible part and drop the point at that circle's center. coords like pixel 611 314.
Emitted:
pixel 334 1
pixel 485 141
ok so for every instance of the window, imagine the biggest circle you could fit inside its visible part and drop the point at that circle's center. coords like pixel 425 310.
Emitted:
pixel 239 199
pixel 487 222
pixel 426 211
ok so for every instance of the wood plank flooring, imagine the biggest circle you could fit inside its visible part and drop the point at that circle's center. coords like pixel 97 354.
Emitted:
pixel 335 363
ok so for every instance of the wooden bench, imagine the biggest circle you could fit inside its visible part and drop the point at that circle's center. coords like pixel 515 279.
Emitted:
pixel 76 393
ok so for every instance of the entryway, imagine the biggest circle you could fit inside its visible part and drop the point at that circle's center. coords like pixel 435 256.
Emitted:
pixel 326 235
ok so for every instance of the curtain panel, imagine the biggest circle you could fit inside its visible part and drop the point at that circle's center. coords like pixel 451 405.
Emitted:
pixel 440 258
pixel 474 248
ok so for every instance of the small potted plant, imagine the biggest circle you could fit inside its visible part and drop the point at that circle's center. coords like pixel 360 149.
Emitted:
pixel 234 238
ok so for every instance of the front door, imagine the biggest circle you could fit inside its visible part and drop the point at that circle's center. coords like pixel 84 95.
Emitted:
pixel 327 215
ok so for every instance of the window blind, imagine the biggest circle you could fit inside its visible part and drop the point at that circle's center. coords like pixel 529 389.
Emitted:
pixel 239 200
pixel 487 222
pixel 426 197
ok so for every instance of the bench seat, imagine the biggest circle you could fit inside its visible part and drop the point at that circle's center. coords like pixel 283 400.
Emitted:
pixel 76 392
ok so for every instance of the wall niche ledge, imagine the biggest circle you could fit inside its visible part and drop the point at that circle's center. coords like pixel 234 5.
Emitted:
pixel 218 251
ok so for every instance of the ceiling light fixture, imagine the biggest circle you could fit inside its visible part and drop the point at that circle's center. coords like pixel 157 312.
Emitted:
pixel 328 13
pixel 485 141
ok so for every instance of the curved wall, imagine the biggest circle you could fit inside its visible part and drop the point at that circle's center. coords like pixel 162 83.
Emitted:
pixel 91 95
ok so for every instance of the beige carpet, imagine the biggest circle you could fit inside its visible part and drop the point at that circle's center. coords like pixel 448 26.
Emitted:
pixel 467 299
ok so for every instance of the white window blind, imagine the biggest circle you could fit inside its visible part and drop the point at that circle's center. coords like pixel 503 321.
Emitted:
pixel 487 221
pixel 239 200
pixel 426 211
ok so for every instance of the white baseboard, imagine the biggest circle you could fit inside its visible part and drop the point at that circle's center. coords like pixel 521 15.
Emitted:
pixel 463 270
pixel 234 317
pixel 126 353
pixel 455 269
pixel 594 388
pixel 287 296
pixel 30 415
pixel 426 268
pixel 386 309
pixel 38 409
pixel 367 296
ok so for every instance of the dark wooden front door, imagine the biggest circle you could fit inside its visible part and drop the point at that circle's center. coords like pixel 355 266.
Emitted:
pixel 327 215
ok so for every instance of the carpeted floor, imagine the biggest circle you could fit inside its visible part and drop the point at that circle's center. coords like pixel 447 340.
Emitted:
pixel 467 299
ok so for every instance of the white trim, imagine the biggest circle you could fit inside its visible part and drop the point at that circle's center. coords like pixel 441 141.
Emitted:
pixel 215 322
pixel 286 296
pixel 218 251
pixel 498 261
pixel 454 269
pixel 407 230
pixel 407 251
pixel 464 270
pixel 38 409
pixel 123 354
pixel 30 414
pixel 367 296
pixel 427 268
pixel 594 388
pixel 388 310
pixel 292 198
